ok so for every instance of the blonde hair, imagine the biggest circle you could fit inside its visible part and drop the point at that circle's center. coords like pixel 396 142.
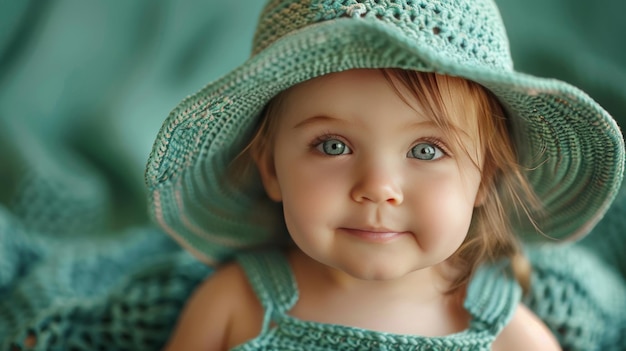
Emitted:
pixel 503 185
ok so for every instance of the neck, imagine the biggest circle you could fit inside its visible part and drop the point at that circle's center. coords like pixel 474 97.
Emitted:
pixel 426 284
pixel 329 295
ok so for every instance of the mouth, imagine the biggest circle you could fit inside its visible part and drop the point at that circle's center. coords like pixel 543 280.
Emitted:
pixel 379 235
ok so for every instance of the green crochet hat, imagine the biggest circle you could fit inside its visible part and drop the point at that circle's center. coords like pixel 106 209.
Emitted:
pixel 573 149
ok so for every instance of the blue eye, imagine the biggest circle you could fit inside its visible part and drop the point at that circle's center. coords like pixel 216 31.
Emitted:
pixel 333 147
pixel 425 151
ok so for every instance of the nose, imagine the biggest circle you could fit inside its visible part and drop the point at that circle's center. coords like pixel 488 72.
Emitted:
pixel 377 184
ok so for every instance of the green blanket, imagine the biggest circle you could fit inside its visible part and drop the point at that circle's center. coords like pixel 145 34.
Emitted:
pixel 84 87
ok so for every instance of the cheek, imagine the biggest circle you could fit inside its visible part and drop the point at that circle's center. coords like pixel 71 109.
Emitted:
pixel 443 212
pixel 309 193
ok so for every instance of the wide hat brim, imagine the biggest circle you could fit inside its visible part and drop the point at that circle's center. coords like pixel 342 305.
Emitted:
pixel 573 149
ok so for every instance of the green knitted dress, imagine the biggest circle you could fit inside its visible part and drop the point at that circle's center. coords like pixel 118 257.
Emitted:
pixel 491 300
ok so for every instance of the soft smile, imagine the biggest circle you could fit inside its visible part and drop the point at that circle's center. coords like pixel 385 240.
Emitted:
pixel 374 235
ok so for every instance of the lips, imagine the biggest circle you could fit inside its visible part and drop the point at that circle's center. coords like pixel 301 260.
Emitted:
pixel 379 235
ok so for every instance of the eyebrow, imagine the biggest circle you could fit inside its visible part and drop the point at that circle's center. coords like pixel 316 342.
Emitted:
pixel 315 119
pixel 324 118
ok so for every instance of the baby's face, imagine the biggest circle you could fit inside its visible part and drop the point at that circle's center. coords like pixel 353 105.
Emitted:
pixel 369 184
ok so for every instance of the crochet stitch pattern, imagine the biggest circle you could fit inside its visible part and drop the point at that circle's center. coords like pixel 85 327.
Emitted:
pixel 426 22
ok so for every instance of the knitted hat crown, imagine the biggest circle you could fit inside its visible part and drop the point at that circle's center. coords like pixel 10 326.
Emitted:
pixel 571 147
pixel 468 31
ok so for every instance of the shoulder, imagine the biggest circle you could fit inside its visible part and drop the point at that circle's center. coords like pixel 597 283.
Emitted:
pixel 222 292
pixel 525 331
pixel 207 320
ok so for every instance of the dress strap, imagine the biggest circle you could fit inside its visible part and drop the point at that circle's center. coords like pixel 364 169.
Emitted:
pixel 492 297
pixel 272 280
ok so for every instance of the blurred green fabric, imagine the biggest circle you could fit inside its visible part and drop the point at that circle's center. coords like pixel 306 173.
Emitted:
pixel 88 83
pixel 84 88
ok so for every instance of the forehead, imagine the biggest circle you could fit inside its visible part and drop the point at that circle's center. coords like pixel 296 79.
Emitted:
pixel 449 102
pixel 346 93
pixel 452 102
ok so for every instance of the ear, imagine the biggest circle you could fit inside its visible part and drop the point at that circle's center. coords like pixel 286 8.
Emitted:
pixel 265 164
pixel 481 195
pixel 487 182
